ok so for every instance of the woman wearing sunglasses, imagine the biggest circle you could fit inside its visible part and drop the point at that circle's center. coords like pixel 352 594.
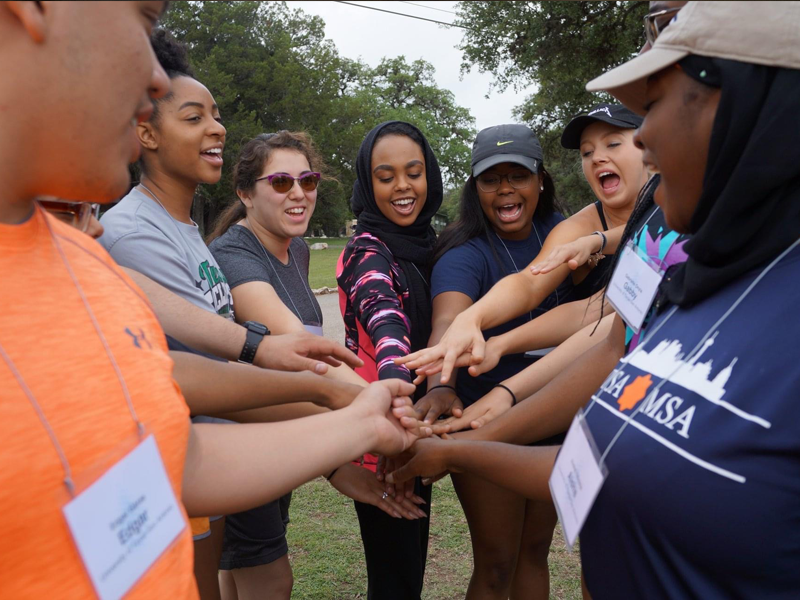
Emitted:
pixel 259 246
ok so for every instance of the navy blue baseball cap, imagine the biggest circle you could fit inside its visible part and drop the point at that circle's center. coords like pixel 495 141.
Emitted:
pixel 613 114
pixel 506 143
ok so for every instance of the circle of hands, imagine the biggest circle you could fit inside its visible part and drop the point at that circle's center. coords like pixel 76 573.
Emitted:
pixel 410 438
pixel 416 435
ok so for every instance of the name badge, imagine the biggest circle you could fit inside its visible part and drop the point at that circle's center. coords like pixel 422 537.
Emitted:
pixel 125 520
pixel 315 329
pixel 633 286
pixel 576 478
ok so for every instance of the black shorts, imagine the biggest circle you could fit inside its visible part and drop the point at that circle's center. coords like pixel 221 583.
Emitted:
pixel 256 537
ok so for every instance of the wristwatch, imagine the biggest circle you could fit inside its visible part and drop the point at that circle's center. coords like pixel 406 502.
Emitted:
pixel 255 333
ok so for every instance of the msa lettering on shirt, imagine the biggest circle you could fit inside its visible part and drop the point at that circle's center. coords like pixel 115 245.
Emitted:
pixel 216 288
pixel 662 408
pixel 674 405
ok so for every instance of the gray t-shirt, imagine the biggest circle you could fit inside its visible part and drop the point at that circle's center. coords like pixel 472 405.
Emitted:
pixel 141 235
pixel 243 258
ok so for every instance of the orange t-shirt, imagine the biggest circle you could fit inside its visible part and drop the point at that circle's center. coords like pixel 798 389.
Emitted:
pixel 47 333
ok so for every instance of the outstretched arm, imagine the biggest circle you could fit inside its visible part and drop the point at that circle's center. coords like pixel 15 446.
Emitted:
pixel 216 335
pixel 510 297
pixel 546 331
pixel 215 388
pixel 230 468
pixel 577 253
pixel 258 301
pixel 530 380
pixel 550 410
pixel 521 469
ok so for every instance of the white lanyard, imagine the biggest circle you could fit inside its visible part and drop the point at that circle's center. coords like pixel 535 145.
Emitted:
pixel 306 286
pixel 516 268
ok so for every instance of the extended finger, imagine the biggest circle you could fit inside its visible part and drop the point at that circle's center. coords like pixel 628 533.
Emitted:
pixel 390 507
pixel 417 359
pixel 333 353
pixel 408 505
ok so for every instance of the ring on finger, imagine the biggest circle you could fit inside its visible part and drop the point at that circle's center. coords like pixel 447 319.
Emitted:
pixel 385 496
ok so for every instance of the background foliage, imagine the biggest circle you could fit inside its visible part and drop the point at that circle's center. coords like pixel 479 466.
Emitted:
pixel 559 46
pixel 270 68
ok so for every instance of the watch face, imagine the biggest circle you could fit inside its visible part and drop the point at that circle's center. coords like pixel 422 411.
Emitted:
pixel 257 327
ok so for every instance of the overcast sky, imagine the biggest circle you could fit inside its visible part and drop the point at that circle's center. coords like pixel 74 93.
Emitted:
pixel 372 35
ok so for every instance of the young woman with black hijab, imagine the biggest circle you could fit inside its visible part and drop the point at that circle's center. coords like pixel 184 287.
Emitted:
pixel 383 275
pixel 697 426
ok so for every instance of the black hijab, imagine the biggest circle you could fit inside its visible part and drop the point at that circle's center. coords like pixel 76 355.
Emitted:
pixel 411 246
pixel 749 210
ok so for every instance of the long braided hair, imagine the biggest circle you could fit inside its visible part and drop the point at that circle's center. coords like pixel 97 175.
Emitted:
pixel 644 202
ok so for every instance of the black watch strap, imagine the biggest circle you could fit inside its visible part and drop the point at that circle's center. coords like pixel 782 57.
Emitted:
pixel 255 333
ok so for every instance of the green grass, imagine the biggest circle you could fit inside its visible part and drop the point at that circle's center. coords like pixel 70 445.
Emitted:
pixel 322 266
pixel 327 559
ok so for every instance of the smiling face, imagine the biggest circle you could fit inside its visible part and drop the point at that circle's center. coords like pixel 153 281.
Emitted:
pixel 284 215
pixel 398 178
pixel 187 138
pixel 83 85
pixel 509 209
pixel 675 137
pixel 612 164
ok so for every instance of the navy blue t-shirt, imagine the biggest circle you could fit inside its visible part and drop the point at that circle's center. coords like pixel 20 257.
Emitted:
pixel 702 499
pixel 472 269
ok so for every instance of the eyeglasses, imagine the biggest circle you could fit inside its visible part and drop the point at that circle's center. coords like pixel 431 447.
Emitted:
pixel 490 182
pixel 655 23
pixel 76 214
pixel 283 182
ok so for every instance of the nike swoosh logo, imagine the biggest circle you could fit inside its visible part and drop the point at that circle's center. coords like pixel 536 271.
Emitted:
pixel 504 143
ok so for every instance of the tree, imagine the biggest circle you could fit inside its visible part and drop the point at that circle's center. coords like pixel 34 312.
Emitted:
pixel 271 68
pixel 560 46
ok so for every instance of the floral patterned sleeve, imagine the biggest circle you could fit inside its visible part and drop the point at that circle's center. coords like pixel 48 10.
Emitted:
pixel 372 282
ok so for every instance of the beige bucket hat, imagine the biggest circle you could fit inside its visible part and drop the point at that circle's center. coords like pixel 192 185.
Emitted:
pixel 765 33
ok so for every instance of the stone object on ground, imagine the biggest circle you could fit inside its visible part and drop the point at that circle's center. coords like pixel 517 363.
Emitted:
pixel 318 246
pixel 325 290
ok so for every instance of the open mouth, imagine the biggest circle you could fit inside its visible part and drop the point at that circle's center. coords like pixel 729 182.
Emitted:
pixel 296 213
pixel 609 180
pixel 509 213
pixel 405 206
pixel 213 155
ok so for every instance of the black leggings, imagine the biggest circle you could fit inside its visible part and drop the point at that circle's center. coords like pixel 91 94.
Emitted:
pixel 395 549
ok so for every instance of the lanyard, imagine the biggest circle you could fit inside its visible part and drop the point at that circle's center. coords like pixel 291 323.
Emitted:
pixel 278 277
pixel 694 350
pixel 68 479
pixel 516 268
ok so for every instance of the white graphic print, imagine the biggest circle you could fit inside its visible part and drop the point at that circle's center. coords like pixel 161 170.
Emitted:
pixel 601 109
pixel 666 361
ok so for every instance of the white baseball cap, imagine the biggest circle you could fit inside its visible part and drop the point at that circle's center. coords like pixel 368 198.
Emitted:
pixel 764 33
